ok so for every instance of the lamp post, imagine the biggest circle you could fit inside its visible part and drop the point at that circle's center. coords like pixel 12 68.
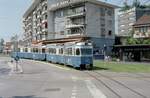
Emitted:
pixel 105 48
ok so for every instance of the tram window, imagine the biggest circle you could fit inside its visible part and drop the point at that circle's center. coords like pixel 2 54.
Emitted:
pixel 54 51
pixel 49 51
pixel 61 51
pixel 36 50
pixel 43 51
pixel 26 49
pixel 70 51
pixel 18 49
pixel 77 51
pixel 86 51
pixel 33 50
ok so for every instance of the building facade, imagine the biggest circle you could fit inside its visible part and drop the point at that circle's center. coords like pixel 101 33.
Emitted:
pixel 126 20
pixel 142 27
pixel 56 19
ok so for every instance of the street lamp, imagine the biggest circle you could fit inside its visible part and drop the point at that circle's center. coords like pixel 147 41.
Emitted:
pixel 105 49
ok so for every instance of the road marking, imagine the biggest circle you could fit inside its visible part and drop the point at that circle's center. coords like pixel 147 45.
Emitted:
pixel 74 92
pixel 73 97
pixel 96 93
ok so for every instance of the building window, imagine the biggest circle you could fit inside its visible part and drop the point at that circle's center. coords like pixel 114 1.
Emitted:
pixel 62 32
pixel 110 23
pixel 109 32
pixel 59 13
pixel 109 12
pixel 103 32
pixel 102 11
pixel 143 29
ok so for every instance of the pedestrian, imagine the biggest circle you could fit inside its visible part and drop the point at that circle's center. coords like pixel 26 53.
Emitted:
pixel 17 60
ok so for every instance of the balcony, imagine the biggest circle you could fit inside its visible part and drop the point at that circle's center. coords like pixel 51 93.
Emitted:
pixel 44 38
pixel 39 16
pixel 34 12
pixel 29 17
pixel 39 24
pixel 44 21
pixel 44 30
pixel 44 12
pixel 39 32
pixel 39 8
pixel 44 3
pixel 77 34
pixel 34 27
pixel 74 26
pixel 75 15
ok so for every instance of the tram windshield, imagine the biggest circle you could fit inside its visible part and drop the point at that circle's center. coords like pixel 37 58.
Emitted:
pixel 85 51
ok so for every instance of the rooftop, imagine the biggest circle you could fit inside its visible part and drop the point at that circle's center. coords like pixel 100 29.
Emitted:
pixel 143 20
pixel 64 3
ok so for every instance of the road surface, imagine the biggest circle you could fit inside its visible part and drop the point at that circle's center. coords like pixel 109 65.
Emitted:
pixel 44 80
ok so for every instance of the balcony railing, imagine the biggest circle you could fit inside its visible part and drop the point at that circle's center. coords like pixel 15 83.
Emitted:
pixel 45 30
pixel 74 26
pixel 73 15
pixel 44 3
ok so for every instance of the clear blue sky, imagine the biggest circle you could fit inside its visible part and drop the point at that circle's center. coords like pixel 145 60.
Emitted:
pixel 11 12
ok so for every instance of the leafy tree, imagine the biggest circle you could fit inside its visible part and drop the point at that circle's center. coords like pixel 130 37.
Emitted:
pixel 131 41
pixel 147 41
pixel 1 44
pixel 125 7
pixel 134 41
pixel 136 3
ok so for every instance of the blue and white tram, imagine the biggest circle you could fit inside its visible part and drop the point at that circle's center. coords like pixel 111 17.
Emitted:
pixel 80 55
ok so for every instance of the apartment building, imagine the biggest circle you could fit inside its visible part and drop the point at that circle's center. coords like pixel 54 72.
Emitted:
pixel 35 22
pixel 126 20
pixel 57 19
pixel 142 27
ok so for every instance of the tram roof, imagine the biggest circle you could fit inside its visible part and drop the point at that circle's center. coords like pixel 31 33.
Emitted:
pixel 65 40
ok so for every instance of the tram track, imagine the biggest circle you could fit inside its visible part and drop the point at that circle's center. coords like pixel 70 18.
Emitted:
pixel 107 77
pixel 96 78
pixel 143 77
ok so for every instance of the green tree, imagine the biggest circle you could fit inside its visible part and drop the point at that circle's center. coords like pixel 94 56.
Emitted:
pixel 1 45
pixel 136 3
pixel 125 7
pixel 134 41
pixel 147 41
